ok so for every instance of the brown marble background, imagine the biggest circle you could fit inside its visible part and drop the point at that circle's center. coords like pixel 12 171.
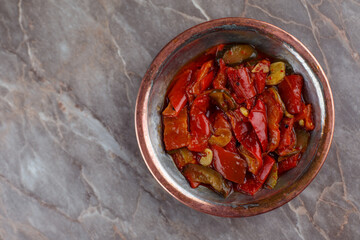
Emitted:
pixel 70 167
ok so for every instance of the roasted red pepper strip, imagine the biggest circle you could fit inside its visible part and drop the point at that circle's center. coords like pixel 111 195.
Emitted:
pixel 176 133
pixel 200 133
pixel 177 94
pixel 289 163
pixel 287 137
pixel 214 50
pixel 290 92
pixel 250 187
pixel 253 184
pixel 200 105
pixel 274 115
pixel 260 76
pixel 200 126
pixel 231 146
pixel 266 168
pixel 250 103
pixel 258 119
pixel 220 121
pixel 220 79
pixel 238 100
pixel 229 164
pixel 204 78
pixel 241 82
pixel 246 135
pixel 200 86
pixel 251 144
pixel 306 116
pixel 240 126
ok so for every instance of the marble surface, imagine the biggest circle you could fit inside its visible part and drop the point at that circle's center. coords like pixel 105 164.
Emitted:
pixel 70 164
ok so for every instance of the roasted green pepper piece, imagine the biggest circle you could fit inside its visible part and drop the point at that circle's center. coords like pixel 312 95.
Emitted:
pixel 197 174
pixel 239 53
pixel 223 99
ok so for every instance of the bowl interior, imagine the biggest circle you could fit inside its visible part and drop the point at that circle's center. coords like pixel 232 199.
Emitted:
pixel 269 44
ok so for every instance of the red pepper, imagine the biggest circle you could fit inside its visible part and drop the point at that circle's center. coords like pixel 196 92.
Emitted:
pixel 258 120
pixel 254 183
pixel 200 105
pixel 306 116
pixel 200 133
pixel 220 79
pixel 290 92
pixel 260 77
pixel 214 50
pixel 241 83
pixel 250 103
pixel 220 121
pixel 250 187
pixel 238 100
pixel 204 78
pixel 231 146
pixel 177 94
pixel 288 163
pixel 265 170
pixel 229 164
pixel 246 135
pixel 287 136
pixel 240 125
pixel 199 124
pixel 176 133
pixel 274 115
pixel 252 145
pixel 203 84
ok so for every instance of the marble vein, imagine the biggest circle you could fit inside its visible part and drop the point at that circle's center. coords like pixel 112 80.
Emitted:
pixel 196 4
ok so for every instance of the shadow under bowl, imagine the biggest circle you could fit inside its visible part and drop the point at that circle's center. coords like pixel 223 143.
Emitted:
pixel 270 40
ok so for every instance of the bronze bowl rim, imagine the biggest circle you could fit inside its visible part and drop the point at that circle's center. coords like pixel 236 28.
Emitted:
pixel 264 205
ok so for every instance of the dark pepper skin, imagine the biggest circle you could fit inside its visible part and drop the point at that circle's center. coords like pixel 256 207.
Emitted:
pixel 198 174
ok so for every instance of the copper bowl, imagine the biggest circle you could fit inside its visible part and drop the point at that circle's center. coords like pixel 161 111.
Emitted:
pixel 269 39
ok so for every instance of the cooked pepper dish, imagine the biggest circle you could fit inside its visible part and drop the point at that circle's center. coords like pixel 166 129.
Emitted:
pixel 234 119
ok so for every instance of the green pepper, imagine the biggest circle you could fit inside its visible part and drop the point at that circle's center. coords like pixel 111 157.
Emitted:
pixel 223 99
pixel 239 53
pixel 197 174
